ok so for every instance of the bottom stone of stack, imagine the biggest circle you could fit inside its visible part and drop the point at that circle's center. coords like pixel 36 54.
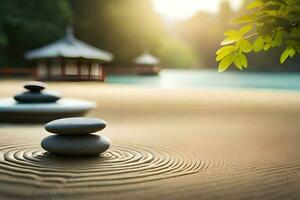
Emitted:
pixel 76 145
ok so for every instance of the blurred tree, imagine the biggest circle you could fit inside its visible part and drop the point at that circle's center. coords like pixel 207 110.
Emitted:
pixel 30 24
pixel 225 14
pixel 177 54
pixel 122 27
pixel 205 30
pixel 127 29
pixel 273 24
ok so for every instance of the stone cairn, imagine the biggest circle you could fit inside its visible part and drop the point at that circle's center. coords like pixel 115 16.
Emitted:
pixel 35 94
pixel 73 137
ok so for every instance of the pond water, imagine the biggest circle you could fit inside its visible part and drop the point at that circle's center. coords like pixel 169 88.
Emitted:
pixel 211 79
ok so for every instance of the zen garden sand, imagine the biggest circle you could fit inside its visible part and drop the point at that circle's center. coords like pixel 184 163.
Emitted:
pixel 166 144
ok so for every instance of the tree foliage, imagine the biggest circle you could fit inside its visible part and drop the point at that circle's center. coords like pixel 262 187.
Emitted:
pixel 30 24
pixel 203 40
pixel 128 29
pixel 270 24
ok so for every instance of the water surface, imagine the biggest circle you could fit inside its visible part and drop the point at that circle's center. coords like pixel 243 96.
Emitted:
pixel 212 79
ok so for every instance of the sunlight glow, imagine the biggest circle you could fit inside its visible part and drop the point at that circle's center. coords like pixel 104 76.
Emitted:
pixel 184 9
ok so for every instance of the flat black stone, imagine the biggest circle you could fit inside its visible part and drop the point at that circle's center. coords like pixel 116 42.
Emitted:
pixel 34 97
pixel 35 86
pixel 79 145
pixel 75 126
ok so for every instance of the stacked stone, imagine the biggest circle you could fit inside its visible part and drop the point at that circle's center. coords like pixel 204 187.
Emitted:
pixel 73 137
pixel 35 94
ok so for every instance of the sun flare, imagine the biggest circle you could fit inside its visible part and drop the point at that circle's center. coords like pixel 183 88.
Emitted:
pixel 183 9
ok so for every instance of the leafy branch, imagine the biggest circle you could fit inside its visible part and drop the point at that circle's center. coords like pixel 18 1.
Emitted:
pixel 271 24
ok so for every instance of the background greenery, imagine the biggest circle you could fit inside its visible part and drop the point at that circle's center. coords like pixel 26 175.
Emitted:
pixel 126 28
pixel 29 24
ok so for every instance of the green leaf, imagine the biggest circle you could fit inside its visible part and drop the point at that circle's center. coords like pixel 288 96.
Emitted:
pixel 273 43
pixel 268 38
pixel 265 28
pixel 225 48
pixel 285 54
pixel 231 32
pixel 267 46
pixel 225 63
pixel 278 37
pixel 272 12
pixel 224 52
pixel 292 52
pixel 245 19
pixel 258 44
pixel 254 4
pixel 245 46
pixel 231 39
pixel 245 29
pixel 244 60
pixel 238 62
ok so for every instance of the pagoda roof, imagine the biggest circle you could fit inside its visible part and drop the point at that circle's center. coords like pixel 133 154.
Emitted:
pixel 69 47
pixel 146 59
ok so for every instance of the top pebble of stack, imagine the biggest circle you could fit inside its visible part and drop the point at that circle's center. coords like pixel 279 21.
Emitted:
pixel 35 86
pixel 75 126
pixel 35 94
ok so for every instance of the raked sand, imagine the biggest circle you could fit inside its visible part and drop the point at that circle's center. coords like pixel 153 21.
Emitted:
pixel 166 144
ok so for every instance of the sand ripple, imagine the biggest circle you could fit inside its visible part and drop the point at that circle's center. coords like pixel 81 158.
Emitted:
pixel 122 164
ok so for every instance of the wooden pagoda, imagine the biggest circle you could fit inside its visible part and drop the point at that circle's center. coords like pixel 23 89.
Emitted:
pixel 69 59
pixel 147 64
